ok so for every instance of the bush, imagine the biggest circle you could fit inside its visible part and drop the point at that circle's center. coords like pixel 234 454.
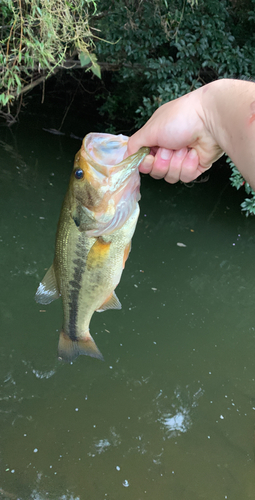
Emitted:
pixel 37 38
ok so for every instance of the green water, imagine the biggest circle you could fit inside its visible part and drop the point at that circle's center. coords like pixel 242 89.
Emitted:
pixel 170 413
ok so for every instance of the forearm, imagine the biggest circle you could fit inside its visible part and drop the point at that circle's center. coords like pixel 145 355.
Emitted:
pixel 229 113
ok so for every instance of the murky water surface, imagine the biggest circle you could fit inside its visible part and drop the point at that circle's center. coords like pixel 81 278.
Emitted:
pixel 171 411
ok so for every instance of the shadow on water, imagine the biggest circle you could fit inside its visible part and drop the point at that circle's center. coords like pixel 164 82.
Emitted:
pixel 170 413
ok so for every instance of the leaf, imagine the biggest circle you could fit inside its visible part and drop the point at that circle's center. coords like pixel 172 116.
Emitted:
pixel 10 82
pixel 93 58
pixel 4 98
pixel 84 58
pixel 96 70
pixel 17 80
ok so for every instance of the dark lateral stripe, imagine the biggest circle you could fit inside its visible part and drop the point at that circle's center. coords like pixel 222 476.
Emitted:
pixel 75 286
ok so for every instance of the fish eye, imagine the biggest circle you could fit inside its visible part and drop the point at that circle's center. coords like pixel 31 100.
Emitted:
pixel 79 173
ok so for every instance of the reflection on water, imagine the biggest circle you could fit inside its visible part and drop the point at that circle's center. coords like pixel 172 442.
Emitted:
pixel 170 413
pixel 35 495
pixel 179 418
pixel 102 445
pixel 179 422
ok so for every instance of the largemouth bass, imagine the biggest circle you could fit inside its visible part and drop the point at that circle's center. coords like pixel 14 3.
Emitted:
pixel 95 228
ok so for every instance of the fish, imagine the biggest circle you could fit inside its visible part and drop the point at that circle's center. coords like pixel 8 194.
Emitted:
pixel 93 240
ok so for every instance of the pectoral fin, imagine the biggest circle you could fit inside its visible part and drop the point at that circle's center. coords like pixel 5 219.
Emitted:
pixel 97 254
pixel 126 253
pixel 69 350
pixel 111 303
pixel 47 291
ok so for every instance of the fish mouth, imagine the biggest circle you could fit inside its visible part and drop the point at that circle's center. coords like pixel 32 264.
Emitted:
pixel 105 150
pixel 116 179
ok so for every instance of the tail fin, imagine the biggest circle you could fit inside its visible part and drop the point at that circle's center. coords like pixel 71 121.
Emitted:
pixel 69 350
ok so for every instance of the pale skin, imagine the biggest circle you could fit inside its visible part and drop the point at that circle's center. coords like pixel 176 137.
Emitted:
pixel 189 134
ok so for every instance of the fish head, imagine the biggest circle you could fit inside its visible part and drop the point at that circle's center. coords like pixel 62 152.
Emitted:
pixel 105 187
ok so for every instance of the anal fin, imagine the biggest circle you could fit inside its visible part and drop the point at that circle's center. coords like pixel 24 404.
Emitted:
pixel 69 350
pixel 112 302
pixel 47 291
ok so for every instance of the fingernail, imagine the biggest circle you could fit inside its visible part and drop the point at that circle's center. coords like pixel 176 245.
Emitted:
pixel 192 153
pixel 166 154
pixel 180 152
pixel 146 165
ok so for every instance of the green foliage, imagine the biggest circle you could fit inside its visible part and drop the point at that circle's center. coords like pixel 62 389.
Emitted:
pixel 237 181
pixel 37 37
pixel 165 49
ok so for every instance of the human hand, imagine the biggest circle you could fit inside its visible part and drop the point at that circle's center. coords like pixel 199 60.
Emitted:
pixel 180 136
